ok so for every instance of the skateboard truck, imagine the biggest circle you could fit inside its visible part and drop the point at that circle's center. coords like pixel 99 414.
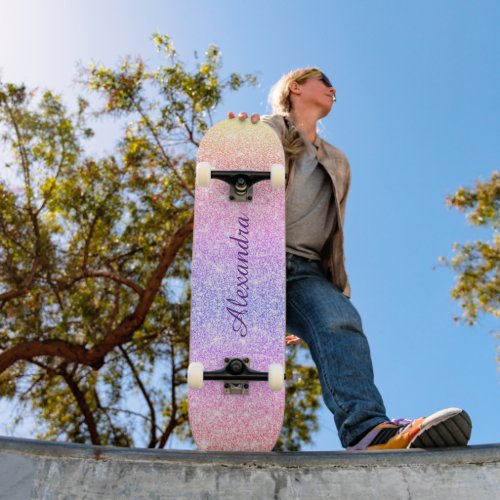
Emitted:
pixel 240 182
pixel 237 375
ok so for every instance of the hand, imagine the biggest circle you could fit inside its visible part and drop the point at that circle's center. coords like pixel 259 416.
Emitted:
pixel 292 340
pixel 243 116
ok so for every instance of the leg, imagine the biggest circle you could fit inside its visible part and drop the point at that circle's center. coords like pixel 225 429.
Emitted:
pixel 326 320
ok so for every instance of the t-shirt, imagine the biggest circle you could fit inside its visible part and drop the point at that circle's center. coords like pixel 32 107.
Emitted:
pixel 310 207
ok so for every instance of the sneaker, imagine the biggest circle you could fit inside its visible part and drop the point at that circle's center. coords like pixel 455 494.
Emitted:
pixel 450 427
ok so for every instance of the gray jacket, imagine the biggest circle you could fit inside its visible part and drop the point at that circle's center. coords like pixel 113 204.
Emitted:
pixel 337 166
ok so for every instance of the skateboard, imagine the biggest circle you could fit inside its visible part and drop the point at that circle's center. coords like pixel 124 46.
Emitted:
pixel 236 393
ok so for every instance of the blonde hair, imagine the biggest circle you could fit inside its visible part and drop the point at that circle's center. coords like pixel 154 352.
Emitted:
pixel 279 96
pixel 279 99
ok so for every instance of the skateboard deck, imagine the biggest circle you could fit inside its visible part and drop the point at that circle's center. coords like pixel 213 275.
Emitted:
pixel 238 286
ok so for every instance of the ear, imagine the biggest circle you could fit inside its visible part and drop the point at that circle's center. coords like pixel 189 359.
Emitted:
pixel 294 88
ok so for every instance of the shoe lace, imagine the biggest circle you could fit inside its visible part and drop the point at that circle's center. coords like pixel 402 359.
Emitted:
pixel 383 435
pixel 402 423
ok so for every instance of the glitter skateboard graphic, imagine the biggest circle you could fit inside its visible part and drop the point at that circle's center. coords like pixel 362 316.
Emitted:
pixel 236 368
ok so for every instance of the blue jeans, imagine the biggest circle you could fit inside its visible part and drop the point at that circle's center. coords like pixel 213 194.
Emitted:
pixel 325 319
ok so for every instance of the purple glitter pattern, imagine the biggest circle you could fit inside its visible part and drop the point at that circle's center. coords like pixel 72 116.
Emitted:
pixel 238 290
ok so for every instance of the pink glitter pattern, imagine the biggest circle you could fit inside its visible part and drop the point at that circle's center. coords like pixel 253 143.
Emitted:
pixel 256 329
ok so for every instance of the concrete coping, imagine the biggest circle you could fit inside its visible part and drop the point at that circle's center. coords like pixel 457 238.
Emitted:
pixel 477 454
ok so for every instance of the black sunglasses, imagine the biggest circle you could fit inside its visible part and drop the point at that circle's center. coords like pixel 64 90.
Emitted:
pixel 326 80
pixel 316 72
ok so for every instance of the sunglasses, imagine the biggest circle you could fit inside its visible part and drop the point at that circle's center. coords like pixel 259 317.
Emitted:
pixel 316 72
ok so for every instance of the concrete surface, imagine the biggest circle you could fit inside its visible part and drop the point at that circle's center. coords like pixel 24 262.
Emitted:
pixel 42 470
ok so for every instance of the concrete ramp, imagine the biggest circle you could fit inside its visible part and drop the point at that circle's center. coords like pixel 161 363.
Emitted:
pixel 35 469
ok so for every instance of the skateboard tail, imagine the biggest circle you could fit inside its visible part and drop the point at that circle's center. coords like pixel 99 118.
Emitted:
pixel 236 422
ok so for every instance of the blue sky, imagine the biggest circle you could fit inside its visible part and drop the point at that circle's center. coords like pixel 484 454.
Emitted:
pixel 418 115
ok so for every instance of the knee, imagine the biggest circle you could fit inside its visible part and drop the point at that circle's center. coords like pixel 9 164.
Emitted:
pixel 344 319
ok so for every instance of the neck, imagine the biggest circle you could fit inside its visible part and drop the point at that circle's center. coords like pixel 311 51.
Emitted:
pixel 307 121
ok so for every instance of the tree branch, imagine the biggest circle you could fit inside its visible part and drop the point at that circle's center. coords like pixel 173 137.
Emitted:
pixel 153 440
pixel 160 146
pixel 173 422
pixel 51 189
pixel 89 238
pixel 27 177
pixel 114 277
pixel 121 334
pixel 82 404
pixel 24 288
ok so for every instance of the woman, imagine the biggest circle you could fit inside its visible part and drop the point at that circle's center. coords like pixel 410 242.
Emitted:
pixel 319 310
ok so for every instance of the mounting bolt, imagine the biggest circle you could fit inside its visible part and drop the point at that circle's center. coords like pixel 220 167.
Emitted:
pixel 235 367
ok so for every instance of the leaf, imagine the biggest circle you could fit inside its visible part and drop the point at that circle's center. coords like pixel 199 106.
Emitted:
pixel 477 264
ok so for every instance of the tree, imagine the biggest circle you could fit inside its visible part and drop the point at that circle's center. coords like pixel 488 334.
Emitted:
pixel 95 254
pixel 477 264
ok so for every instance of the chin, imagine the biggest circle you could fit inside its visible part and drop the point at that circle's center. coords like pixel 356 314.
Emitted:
pixel 325 111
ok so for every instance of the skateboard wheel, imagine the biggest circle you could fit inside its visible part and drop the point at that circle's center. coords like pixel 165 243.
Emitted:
pixel 203 173
pixel 276 377
pixel 277 175
pixel 195 375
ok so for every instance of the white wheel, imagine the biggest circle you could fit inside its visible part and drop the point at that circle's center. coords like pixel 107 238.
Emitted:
pixel 277 175
pixel 203 173
pixel 276 377
pixel 195 375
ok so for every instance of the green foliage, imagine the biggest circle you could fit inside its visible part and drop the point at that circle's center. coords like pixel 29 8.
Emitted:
pixel 303 393
pixel 477 264
pixel 95 254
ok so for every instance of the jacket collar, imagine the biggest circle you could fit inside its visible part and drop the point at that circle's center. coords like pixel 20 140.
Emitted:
pixel 327 160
